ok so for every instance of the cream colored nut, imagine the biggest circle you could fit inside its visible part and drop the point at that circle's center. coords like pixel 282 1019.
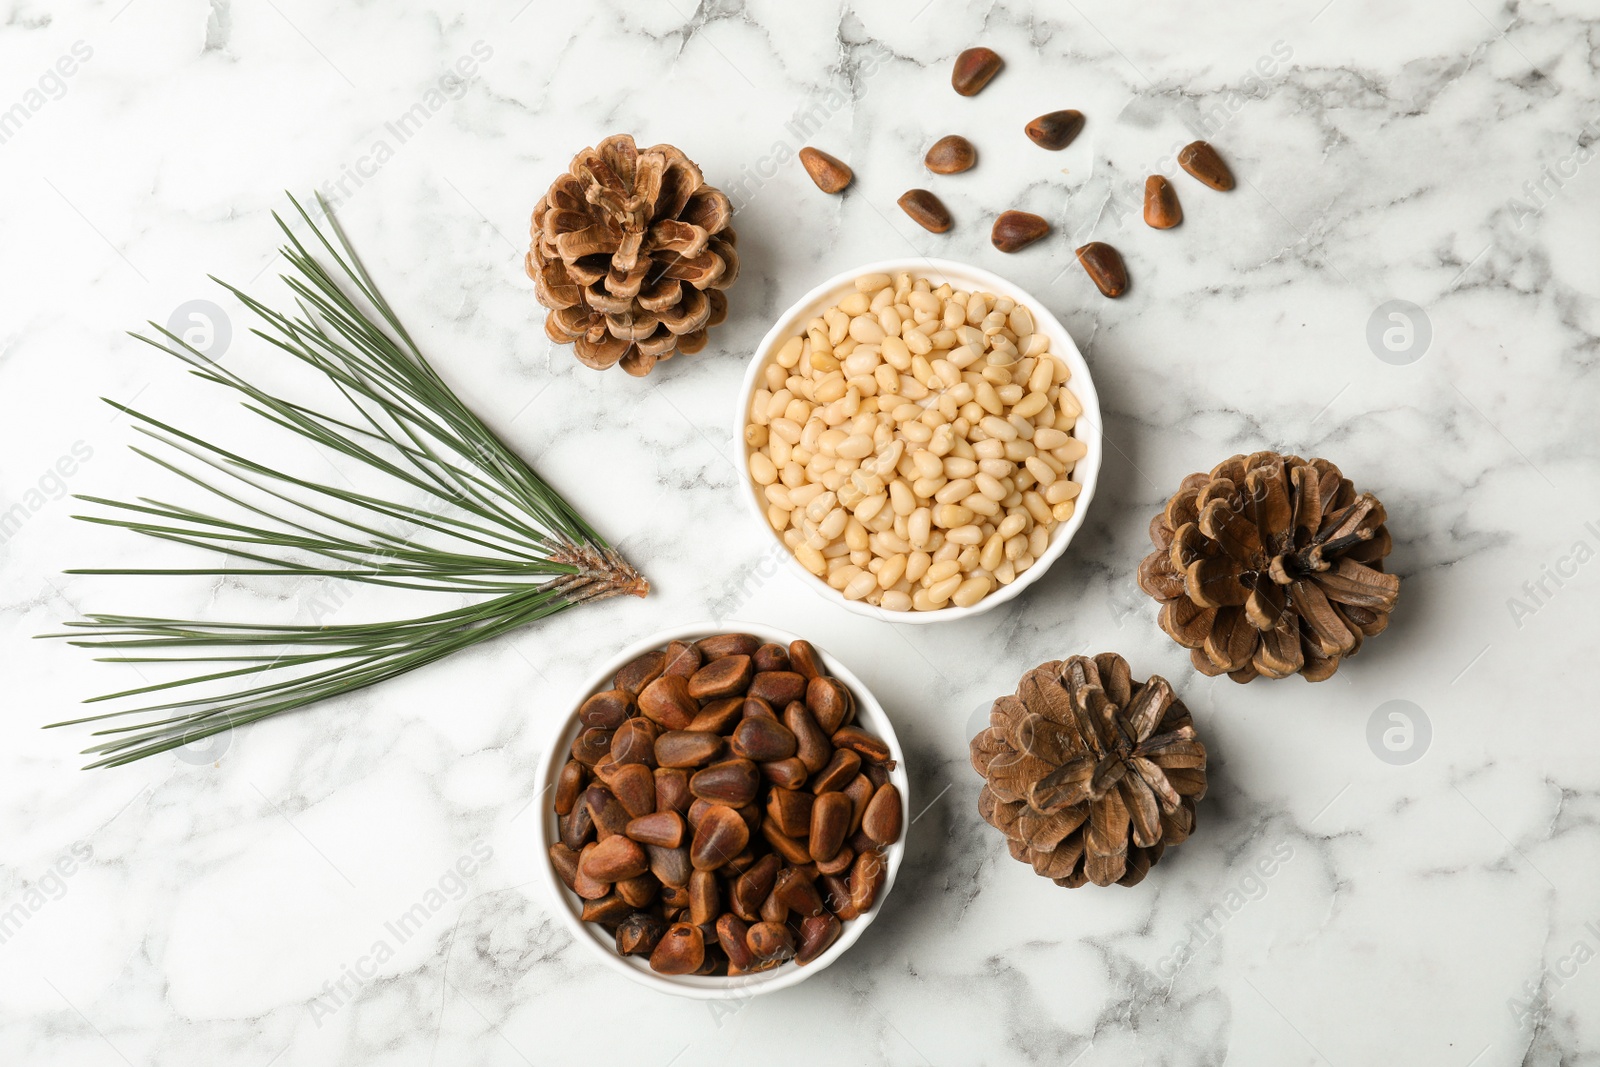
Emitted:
pixel 869 508
pixel 1038 541
pixel 903 500
pixel 841 573
pixel 790 353
pixel 896 601
pixel 859 586
pixel 892 570
pixel 1042 376
pixel 896 352
pixel 996 427
pixel 965 535
pixel 856 303
pixel 970 592
pixel 803 495
pixel 989 486
pixel 863 361
pixel 979 504
pixel 866 330
pixel 940 592
pixel 856 446
pixel 920 527
pixel 1030 405
pixel 917 565
pixel 949 516
pixel 811 559
pixel 838 325
pixel 1061 490
pixel 871 283
pixel 762 468
pixel 1020 320
pixel 1072 451
pixel 867 482
pixel 1040 470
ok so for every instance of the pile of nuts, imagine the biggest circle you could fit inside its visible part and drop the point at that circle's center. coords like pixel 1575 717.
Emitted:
pixel 721 813
pixel 914 446
pixel 1015 230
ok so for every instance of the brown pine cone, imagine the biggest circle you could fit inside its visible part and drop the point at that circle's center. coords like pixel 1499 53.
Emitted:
pixel 631 251
pixel 1270 565
pixel 1089 775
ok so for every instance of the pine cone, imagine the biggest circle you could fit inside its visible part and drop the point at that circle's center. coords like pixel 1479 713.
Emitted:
pixel 631 251
pixel 1270 565
pixel 1088 775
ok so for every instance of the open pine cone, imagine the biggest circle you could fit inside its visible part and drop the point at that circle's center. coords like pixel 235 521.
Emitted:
pixel 631 251
pixel 1089 775
pixel 1270 565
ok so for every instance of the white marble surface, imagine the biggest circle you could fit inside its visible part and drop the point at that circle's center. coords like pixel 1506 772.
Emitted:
pixel 1386 152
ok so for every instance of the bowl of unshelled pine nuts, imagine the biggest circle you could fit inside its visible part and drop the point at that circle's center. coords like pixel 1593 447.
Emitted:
pixel 722 813
pixel 921 437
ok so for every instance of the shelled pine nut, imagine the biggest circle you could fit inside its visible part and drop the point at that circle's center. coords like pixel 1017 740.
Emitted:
pixel 914 444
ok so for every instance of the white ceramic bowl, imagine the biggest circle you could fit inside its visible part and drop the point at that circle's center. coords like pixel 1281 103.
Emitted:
pixel 870 716
pixel 960 276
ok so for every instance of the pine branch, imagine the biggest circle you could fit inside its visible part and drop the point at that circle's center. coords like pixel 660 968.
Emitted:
pixel 469 518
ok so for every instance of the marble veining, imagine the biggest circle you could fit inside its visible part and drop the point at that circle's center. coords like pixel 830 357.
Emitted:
pixel 357 884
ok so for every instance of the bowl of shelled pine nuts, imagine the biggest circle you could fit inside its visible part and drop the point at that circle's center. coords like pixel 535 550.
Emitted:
pixel 921 437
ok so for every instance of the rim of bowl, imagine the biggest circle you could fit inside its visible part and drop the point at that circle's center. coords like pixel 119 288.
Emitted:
pixel 1062 346
pixel 693 986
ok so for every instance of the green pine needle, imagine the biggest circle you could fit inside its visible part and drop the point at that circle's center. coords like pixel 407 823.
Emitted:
pixel 486 526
